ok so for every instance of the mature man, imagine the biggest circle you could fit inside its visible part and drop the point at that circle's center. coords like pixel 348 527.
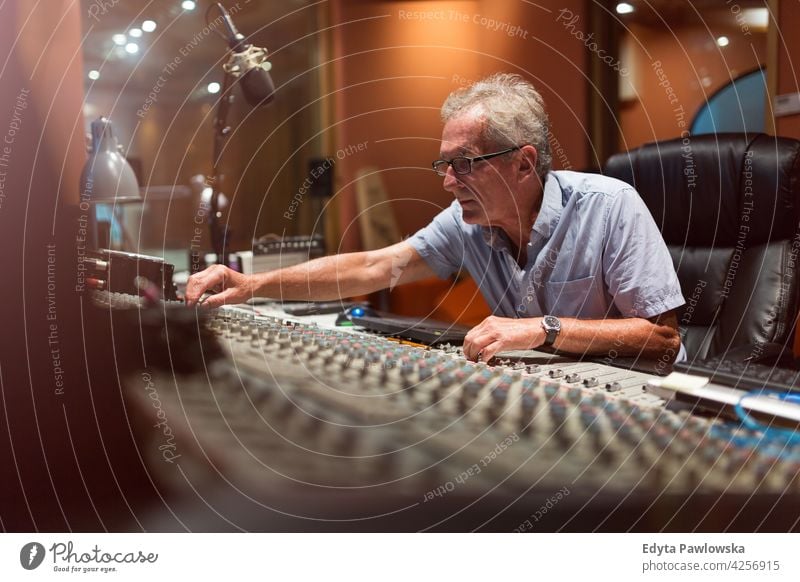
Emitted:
pixel 565 259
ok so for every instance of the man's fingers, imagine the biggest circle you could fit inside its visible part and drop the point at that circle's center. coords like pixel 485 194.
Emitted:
pixel 195 288
pixel 474 347
pixel 491 351
pixel 220 299
pixel 472 341
pixel 470 349
pixel 478 343
pixel 199 283
pixel 484 351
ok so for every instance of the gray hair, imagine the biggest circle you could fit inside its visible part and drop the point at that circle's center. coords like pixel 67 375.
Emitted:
pixel 512 111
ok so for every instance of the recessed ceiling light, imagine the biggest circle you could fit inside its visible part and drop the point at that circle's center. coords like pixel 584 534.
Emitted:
pixel 723 41
pixel 757 18
pixel 135 32
pixel 119 39
pixel 94 74
pixel 624 8
pixel 149 25
pixel 132 48
pixel 213 87
pixel 188 5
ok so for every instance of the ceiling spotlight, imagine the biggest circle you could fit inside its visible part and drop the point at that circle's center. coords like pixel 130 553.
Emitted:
pixel 149 25
pixel 757 18
pixel 723 41
pixel 188 5
pixel 119 39
pixel 625 8
pixel 132 48
pixel 94 74
pixel 135 32
pixel 213 87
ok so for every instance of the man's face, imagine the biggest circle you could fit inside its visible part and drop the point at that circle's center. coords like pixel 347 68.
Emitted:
pixel 487 193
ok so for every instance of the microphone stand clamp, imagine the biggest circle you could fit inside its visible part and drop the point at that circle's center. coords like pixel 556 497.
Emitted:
pixel 250 58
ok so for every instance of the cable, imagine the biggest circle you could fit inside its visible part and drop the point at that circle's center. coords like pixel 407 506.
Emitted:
pixel 791 436
pixel 770 438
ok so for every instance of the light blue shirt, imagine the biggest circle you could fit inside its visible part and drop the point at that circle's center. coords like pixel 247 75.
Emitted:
pixel 594 252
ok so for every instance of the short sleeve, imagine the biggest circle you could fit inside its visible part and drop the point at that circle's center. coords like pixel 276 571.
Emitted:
pixel 441 243
pixel 637 266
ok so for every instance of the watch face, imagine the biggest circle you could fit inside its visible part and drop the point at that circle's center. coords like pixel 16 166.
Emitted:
pixel 551 322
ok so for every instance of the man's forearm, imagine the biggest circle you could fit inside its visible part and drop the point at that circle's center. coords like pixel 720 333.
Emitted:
pixel 321 279
pixel 327 278
pixel 653 339
pixel 626 337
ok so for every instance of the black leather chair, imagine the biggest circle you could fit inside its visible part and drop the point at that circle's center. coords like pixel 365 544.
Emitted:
pixel 728 208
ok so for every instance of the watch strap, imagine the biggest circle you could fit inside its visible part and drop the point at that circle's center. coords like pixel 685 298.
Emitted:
pixel 550 329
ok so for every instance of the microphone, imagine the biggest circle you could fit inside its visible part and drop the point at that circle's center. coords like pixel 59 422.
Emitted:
pixel 249 64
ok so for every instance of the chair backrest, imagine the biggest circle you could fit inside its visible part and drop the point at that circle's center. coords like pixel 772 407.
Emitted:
pixel 727 206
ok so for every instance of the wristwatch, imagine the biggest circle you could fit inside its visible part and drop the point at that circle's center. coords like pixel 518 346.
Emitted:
pixel 552 327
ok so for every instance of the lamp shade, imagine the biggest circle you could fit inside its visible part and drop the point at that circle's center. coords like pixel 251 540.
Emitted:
pixel 107 176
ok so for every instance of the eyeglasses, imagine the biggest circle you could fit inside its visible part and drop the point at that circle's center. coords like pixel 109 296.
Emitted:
pixel 463 165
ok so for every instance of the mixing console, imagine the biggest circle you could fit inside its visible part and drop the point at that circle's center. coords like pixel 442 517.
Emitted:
pixel 304 405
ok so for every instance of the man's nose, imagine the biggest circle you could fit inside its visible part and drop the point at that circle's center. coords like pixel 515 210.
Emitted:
pixel 451 182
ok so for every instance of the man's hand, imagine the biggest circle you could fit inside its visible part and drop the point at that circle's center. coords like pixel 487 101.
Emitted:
pixel 227 285
pixel 500 334
pixel 656 339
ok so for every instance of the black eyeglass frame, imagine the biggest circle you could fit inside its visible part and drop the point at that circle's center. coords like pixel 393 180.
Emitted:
pixel 470 160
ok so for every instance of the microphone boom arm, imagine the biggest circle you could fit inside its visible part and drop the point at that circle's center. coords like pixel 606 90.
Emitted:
pixel 219 231
pixel 247 65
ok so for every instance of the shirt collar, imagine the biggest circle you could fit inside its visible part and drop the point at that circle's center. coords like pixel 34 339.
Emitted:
pixel 552 205
pixel 545 222
pixel 495 237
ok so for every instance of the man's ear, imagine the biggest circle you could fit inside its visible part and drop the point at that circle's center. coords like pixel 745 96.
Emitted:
pixel 527 164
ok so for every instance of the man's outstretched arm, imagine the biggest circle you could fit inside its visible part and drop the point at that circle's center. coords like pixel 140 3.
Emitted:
pixel 326 278
pixel 651 339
